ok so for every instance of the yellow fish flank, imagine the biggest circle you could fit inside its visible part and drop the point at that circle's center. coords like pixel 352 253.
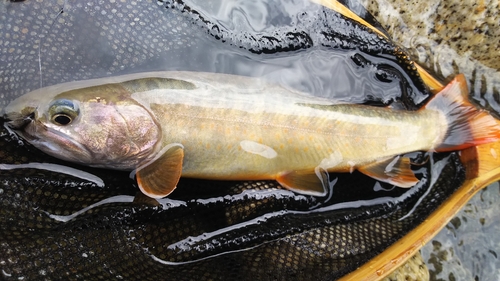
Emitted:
pixel 163 125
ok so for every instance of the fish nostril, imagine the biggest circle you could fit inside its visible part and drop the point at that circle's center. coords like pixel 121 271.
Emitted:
pixel 19 121
pixel 31 116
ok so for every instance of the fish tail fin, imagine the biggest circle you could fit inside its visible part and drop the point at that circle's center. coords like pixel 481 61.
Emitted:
pixel 467 125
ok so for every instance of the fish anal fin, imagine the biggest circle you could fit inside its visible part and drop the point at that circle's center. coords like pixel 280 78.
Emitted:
pixel 396 171
pixel 159 177
pixel 306 182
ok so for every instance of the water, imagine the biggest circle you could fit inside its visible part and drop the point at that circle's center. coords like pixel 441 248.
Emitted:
pixel 468 247
pixel 283 42
pixel 467 42
pixel 449 37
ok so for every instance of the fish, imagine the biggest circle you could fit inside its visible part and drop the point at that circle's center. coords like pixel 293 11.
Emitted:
pixel 164 125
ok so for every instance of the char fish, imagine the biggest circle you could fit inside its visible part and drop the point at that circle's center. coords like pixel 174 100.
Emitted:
pixel 165 125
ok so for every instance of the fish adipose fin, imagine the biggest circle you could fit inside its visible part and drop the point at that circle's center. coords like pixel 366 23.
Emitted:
pixel 306 182
pixel 467 125
pixel 159 177
pixel 396 171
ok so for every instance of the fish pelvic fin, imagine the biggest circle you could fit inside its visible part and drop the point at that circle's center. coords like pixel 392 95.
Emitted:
pixel 159 177
pixel 308 182
pixel 467 125
pixel 396 171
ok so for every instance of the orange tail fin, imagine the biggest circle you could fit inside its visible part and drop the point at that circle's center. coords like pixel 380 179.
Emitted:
pixel 467 125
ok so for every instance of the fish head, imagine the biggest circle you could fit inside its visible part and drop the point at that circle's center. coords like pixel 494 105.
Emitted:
pixel 99 126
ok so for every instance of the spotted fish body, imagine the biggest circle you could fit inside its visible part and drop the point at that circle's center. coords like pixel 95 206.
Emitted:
pixel 218 126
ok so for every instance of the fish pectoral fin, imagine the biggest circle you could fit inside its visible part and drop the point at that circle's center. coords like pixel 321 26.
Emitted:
pixel 396 171
pixel 159 177
pixel 306 182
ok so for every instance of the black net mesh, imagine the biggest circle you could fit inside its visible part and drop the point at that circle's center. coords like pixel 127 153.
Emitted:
pixel 83 224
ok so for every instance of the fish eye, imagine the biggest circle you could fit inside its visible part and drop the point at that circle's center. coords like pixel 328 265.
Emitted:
pixel 63 112
pixel 62 119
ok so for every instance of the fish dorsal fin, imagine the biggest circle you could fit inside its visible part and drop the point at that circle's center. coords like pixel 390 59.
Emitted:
pixel 396 171
pixel 159 177
pixel 307 182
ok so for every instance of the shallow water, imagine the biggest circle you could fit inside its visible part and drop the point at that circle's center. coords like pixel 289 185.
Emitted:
pixel 447 38
pixel 467 42
pixel 468 248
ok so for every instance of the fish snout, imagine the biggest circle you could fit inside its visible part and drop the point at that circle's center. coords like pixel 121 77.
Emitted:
pixel 19 120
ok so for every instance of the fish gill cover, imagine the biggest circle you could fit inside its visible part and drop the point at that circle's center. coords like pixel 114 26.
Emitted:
pixel 60 221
